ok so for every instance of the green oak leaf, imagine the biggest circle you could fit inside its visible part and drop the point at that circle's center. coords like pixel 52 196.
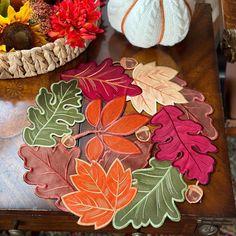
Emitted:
pixel 56 111
pixel 3 7
pixel 159 187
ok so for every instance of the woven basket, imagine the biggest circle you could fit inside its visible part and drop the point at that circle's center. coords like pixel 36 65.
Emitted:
pixel 38 60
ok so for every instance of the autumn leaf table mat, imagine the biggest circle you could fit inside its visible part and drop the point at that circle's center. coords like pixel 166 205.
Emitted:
pixel 195 62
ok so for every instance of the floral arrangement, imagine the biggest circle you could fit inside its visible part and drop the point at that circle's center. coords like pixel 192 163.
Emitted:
pixel 34 23
pixel 114 148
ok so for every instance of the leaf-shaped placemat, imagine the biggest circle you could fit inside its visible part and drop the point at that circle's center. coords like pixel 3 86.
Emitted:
pixel 106 81
pixel 50 170
pixel 180 142
pixel 159 187
pixel 99 195
pixel 110 128
pixel 55 112
pixel 197 109
pixel 134 162
pixel 155 82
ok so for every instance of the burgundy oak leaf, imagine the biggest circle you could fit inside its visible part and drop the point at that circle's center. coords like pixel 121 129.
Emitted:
pixel 179 141
pixel 50 170
pixel 106 81
pixel 134 162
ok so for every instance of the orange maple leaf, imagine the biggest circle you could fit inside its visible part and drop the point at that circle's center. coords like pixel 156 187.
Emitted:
pixel 99 195
pixel 111 127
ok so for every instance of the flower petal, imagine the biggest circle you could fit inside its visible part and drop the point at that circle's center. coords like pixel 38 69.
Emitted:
pixel 11 14
pixel 23 15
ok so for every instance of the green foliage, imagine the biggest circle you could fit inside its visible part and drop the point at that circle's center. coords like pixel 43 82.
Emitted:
pixel 3 7
pixel 159 187
pixel 56 111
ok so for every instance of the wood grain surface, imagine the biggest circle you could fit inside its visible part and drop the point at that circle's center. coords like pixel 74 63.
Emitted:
pixel 229 9
pixel 196 61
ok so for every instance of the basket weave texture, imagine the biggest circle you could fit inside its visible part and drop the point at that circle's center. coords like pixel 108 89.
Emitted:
pixel 38 60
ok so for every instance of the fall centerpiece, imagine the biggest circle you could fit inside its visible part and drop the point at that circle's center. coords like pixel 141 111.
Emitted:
pixel 36 37
pixel 121 144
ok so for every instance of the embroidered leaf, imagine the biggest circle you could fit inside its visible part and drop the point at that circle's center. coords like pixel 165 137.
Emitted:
pixel 112 111
pixel 120 144
pixel 94 149
pixel 55 112
pixel 134 161
pixel 99 195
pixel 198 110
pixel 159 187
pixel 105 81
pixel 111 129
pixel 157 87
pixel 127 124
pixel 50 170
pixel 93 112
pixel 180 142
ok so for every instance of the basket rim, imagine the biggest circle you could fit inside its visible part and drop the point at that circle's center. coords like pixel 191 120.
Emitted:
pixel 38 60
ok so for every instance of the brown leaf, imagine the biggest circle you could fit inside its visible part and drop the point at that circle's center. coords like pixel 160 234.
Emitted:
pixel 50 170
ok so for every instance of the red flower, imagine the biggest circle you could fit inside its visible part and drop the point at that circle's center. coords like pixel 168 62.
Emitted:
pixel 76 21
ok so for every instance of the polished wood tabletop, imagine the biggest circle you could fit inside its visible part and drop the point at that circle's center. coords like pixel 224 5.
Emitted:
pixel 194 58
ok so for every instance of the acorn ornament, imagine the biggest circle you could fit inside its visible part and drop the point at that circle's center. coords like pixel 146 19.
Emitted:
pixel 194 193
pixel 151 22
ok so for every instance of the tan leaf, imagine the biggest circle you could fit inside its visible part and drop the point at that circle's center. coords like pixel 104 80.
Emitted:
pixel 157 86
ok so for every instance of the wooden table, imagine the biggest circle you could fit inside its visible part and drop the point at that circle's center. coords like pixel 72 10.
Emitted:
pixel 195 59
pixel 229 8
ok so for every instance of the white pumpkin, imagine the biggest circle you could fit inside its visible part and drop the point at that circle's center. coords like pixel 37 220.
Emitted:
pixel 146 23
